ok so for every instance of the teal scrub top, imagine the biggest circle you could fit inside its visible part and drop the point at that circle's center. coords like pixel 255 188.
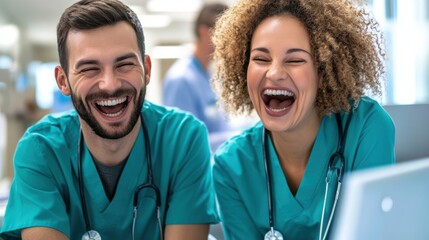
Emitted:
pixel 240 179
pixel 45 189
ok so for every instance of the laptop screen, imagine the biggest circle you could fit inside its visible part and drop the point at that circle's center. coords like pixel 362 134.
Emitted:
pixel 390 202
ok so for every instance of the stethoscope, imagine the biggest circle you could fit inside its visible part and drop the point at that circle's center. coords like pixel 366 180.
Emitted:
pixel 91 234
pixel 336 166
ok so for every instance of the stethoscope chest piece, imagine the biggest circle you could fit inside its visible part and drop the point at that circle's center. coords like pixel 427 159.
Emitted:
pixel 273 235
pixel 91 235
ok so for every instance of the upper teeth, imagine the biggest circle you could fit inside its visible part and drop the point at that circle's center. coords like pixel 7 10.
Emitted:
pixel 273 92
pixel 112 102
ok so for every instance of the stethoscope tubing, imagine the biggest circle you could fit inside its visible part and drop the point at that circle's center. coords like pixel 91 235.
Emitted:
pixel 81 187
pixel 268 181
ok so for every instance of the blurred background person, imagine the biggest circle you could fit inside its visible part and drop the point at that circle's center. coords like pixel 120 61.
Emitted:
pixel 187 82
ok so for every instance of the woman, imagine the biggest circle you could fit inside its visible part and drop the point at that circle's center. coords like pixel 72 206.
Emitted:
pixel 304 66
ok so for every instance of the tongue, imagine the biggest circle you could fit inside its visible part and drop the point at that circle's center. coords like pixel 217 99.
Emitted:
pixel 112 109
pixel 278 104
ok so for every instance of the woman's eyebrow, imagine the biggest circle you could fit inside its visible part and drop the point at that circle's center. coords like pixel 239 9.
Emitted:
pixel 289 51
pixel 293 50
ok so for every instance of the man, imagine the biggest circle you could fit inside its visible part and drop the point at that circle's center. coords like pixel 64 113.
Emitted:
pixel 116 167
pixel 187 82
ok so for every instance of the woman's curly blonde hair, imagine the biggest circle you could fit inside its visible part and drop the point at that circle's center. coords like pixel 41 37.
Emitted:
pixel 346 45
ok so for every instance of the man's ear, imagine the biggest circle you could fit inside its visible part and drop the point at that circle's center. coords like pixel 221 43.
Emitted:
pixel 147 68
pixel 62 83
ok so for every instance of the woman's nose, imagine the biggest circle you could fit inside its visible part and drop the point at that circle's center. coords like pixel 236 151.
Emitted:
pixel 277 71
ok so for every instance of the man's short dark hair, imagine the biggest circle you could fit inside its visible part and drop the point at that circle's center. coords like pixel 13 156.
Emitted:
pixel 91 14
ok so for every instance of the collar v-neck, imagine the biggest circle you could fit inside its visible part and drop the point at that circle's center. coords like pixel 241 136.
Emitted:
pixel 133 173
pixel 288 206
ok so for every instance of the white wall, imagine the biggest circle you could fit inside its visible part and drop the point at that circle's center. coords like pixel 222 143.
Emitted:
pixel 412 130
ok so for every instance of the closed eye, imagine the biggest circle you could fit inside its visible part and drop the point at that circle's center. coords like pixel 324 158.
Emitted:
pixel 123 67
pixel 259 59
pixel 296 61
pixel 88 70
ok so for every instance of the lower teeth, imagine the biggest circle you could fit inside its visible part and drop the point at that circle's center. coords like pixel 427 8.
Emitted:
pixel 277 110
pixel 113 114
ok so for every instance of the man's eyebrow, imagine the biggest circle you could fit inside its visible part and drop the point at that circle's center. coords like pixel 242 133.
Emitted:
pixel 82 62
pixel 126 56
pixel 85 62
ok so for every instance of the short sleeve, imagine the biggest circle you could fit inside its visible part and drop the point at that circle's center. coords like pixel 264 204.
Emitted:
pixel 35 198
pixel 376 143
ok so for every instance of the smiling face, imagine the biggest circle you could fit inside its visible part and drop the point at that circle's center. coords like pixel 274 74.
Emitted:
pixel 282 79
pixel 107 79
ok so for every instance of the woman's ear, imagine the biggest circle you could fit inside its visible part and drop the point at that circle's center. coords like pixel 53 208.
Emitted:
pixel 62 83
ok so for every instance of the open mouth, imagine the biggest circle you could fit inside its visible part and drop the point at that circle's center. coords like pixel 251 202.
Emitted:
pixel 112 107
pixel 278 100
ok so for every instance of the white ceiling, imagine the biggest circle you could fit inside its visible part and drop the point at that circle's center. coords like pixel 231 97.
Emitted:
pixel 37 19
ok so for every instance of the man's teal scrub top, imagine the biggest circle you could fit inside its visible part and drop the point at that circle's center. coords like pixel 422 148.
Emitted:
pixel 240 179
pixel 45 190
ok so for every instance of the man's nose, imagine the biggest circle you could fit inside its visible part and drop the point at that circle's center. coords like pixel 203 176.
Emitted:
pixel 109 81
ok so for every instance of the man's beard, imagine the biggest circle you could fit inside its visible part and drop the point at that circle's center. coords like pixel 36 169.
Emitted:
pixel 89 118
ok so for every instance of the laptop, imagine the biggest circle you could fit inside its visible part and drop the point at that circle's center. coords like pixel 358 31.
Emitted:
pixel 385 203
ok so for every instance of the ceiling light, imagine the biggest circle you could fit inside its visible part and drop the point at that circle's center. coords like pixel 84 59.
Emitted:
pixel 154 21
pixel 9 36
pixel 173 5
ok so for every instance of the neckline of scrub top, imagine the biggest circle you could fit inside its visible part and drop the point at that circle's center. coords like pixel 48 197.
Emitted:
pixel 287 205
pixel 134 171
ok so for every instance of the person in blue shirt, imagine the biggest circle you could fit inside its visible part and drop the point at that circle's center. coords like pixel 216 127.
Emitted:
pixel 118 166
pixel 186 84
pixel 305 67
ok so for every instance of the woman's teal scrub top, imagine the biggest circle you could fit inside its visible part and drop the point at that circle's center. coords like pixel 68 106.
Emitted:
pixel 240 179
pixel 45 190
